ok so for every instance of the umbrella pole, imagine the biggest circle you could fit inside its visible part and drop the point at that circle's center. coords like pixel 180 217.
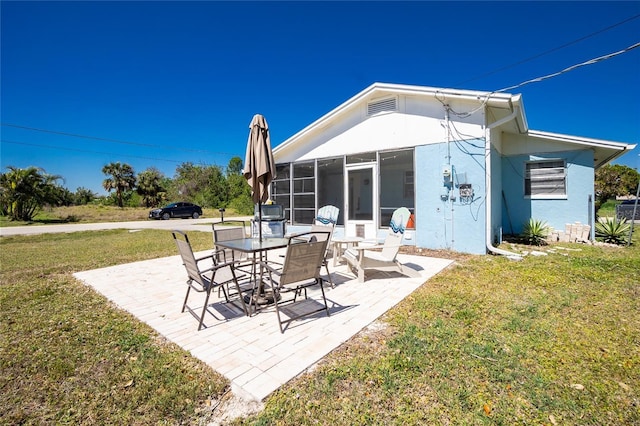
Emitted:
pixel 260 221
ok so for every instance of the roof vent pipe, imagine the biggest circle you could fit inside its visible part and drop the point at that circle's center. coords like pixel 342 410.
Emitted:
pixel 487 156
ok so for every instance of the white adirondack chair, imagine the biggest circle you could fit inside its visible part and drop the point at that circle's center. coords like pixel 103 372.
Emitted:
pixel 382 257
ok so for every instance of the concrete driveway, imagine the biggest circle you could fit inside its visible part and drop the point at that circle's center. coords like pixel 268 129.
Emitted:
pixel 202 224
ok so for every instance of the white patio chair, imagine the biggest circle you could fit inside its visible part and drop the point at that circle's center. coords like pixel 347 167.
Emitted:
pixel 325 222
pixel 327 215
pixel 322 232
pixel 382 257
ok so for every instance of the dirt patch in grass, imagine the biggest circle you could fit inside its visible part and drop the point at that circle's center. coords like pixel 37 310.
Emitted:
pixel 442 254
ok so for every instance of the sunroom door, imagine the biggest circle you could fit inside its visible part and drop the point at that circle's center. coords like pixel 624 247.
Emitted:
pixel 361 201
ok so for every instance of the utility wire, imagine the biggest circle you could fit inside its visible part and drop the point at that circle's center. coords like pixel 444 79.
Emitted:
pixel 571 68
pixel 535 80
pixel 17 126
pixel 88 151
pixel 555 49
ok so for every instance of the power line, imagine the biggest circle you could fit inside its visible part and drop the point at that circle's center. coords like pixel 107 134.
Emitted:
pixel 536 80
pixel 87 151
pixel 571 68
pixel 75 135
pixel 555 49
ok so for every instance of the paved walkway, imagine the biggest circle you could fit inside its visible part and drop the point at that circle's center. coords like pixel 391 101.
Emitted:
pixel 250 351
pixel 201 224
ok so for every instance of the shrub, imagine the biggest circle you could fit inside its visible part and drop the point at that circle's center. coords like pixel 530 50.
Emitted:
pixel 612 230
pixel 607 208
pixel 242 204
pixel 535 232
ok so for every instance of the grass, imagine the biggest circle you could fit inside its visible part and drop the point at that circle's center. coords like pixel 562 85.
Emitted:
pixel 68 356
pixel 608 208
pixel 548 340
pixel 92 214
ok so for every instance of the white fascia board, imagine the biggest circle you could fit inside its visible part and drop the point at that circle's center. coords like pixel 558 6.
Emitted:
pixel 517 102
pixel 605 151
pixel 598 143
pixel 473 95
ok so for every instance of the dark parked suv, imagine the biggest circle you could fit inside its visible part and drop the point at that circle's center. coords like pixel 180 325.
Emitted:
pixel 183 210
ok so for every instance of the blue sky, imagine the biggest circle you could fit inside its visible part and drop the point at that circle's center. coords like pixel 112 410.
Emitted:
pixel 162 83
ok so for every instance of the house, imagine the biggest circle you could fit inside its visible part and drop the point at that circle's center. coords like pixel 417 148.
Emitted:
pixel 465 163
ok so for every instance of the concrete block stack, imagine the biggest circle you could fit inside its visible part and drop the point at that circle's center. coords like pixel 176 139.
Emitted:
pixel 573 233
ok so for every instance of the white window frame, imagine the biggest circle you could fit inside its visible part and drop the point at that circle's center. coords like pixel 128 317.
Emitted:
pixel 545 171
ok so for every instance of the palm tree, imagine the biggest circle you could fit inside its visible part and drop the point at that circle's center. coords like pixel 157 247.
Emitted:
pixel 150 187
pixel 25 191
pixel 122 178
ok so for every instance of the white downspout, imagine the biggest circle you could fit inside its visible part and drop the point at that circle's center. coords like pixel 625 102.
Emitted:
pixel 487 156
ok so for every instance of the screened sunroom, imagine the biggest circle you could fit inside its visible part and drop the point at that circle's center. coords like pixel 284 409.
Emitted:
pixel 367 187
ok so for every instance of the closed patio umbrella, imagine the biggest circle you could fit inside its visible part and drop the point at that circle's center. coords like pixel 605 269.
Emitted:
pixel 259 166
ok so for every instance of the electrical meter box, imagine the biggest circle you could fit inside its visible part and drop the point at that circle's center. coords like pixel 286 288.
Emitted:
pixel 466 191
pixel 446 173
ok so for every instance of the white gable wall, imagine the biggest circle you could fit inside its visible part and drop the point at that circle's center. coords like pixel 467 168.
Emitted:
pixel 418 121
pixel 383 132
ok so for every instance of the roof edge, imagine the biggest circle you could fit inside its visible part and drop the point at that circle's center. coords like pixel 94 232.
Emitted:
pixel 616 149
pixel 602 143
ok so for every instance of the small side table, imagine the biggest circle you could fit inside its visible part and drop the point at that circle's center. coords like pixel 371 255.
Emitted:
pixel 341 244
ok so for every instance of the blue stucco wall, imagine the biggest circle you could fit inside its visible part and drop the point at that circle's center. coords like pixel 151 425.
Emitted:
pixel 575 208
pixel 445 223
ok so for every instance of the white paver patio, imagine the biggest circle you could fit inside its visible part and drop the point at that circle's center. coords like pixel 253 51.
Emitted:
pixel 250 351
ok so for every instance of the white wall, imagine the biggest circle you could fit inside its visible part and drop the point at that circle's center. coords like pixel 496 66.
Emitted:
pixel 523 144
pixel 417 122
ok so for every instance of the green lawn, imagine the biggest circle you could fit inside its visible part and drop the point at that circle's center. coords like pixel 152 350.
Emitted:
pixel 546 340
pixel 68 356
pixel 93 214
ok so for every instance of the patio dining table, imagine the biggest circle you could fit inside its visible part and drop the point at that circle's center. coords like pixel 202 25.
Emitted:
pixel 258 248
pixel 254 245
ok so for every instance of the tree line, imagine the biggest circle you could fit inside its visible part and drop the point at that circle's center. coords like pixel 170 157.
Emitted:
pixel 615 180
pixel 24 192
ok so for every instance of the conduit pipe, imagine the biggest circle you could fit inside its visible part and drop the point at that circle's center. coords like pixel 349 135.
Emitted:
pixel 488 198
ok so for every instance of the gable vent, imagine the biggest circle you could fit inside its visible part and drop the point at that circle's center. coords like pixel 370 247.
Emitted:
pixel 389 104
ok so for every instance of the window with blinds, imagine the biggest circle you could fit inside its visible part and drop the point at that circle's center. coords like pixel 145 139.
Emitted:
pixel 545 178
